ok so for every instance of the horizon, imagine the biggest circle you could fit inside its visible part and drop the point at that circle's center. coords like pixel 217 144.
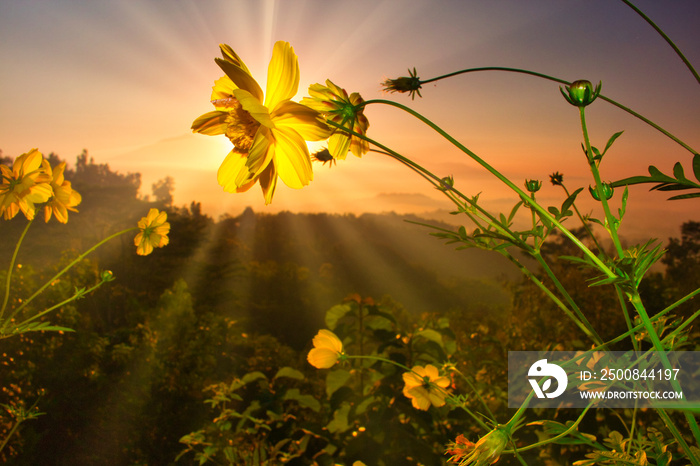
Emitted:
pixel 126 82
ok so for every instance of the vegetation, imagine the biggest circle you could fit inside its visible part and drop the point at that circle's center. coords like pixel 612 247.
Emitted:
pixel 199 351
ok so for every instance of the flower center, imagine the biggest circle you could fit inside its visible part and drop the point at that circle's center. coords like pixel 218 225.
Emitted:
pixel 241 125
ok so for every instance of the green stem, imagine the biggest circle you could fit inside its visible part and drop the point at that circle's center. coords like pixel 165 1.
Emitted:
pixel 10 434
pixel 666 38
pixel 572 428
pixel 567 296
pixel 585 224
pixel 678 436
pixel 659 347
pixel 57 306
pixel 562 81
pixel 626 314
pixel 11 268
pixel 541 210
pixel 478 395
pixel 66 268
pixel 585 326
pixel 611 221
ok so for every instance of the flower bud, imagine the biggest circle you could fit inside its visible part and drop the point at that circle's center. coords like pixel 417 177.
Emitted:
pixel 581 93
pixel 411 85
pixel 557 179
pixel 607 192
pixel 107 276
pixel 533 185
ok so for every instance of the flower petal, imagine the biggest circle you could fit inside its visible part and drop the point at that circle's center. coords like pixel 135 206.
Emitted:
pixel 268 182
pixel 339 144
pixel 261 151
pixel 322 358
pixel 304 120
pixel 292 158
pixel 233 175
pixel 282 75
pixel 211 123
pixel 252 105
pixel 241 78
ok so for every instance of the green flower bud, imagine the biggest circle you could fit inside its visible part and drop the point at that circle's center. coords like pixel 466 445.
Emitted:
pixel 581 93
pixel 533 185
pixel 107 276
pixel 607 192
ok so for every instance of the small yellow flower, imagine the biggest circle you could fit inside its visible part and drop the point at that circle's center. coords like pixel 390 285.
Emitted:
pixel 24 185
pixel 425 387
pixel 153 234
pixel 64 198
pixel 269 134
pixel 327 350
pixel 334 103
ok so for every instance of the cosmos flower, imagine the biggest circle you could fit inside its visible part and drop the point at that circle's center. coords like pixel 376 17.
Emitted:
pixel 26 184
pixel 334 103
pixel 327 350
pixel 269 132
pixel 486 451
pixel 64 198
pixel 425 387
pixel 153 232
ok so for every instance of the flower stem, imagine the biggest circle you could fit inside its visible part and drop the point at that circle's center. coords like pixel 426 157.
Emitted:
pixel 11 268
pixel 562 81
pixel 666 38
pixel 541 210
pixel 610 220
pixel 66 268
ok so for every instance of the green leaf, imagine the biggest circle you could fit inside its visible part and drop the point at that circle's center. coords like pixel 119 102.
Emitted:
pixel 289 373
pixel 252 377
pixel 337 312
pixel 678 171
pixel 336 379
pixel 696 166
pixel 305 401
pixel 431 335
pixel 340 419
pixel 611 140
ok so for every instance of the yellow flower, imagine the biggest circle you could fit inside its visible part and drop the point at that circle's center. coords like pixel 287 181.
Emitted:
pixel 269 135
pixel 64 197
pixel 425 387
pixel 334 103
pixel 327 350
pixel 24 185
pixel 153 234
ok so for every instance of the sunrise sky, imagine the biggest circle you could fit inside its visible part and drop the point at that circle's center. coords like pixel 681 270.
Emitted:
pixel 125 80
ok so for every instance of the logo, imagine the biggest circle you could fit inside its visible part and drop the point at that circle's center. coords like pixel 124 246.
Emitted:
pixel 543 369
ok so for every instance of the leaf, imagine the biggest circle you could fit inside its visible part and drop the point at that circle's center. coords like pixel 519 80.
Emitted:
pixel 290 373
pixel 570 200
pixel 252 377
pixel 611 140
pixel 696 166
pixel 431 335
pixel 335 380
pixel 337 312
pixel 678 172
pixel 340 419
pixel 305 401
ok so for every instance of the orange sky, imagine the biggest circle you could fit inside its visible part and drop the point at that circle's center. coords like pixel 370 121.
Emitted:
pixel 126 79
